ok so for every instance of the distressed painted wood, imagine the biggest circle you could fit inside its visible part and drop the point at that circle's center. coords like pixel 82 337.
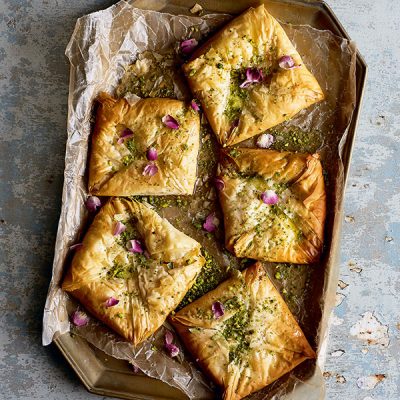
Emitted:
pixel 33 86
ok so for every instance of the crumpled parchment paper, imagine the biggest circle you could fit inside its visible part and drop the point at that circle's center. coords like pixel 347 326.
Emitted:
pixel 102 46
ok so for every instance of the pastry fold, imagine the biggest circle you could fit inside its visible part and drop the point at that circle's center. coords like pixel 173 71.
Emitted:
pixel 117 165
pixel 148 285
pixel 255 341
pixel 291 230
pixel 257 41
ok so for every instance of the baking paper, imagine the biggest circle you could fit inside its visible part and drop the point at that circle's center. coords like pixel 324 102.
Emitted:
pixel 102 47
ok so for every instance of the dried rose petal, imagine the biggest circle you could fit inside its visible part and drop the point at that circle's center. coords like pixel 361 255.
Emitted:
pixel 152 154
pixel 253 75
pixel 150 169
pixel 219 183
pixel 218 309
pixel 269 197
pixel 287 62
pixel 93 203
pixel 188 45
pixel 194 106
pixel 265 140
pixel 134 246
pixel 79 318
pixel 119 228
pixel 168 337
pixel 126 134
pixel 211 223
pixel 170 122
pixel 172 349
pixel 76 246
pixel 111 302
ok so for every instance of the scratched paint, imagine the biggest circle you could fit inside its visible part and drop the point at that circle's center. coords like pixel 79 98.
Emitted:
pixel 33 84
pixel 369 329
pixel 370 382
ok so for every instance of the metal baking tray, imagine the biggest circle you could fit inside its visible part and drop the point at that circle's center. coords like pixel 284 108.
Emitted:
pixel 107 376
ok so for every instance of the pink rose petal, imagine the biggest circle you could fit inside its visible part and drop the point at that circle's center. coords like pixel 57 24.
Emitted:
pixel 287 62
pixel 194 106
pixel 172 349
pixel 79 318
pixel 253 75
pixel 150 169
pixel 126 134
pixel 119 228
pixel 265 141
pixel 134 246
pixel 170 122
pixel 218 309
pixel 168 337
pixel 219 183
pixel 152 154
pixel 111 302
pixel 269 197
pixel 93 203
pixel 211 223
pixel 187 46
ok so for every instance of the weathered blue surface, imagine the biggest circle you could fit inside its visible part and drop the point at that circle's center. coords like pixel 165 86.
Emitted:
pixel 371 241
pixel 33 87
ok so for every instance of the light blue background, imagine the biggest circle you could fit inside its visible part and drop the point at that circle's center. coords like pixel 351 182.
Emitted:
pixel 33 95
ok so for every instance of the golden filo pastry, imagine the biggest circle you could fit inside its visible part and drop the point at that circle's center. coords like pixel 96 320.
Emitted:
pixel 148 147
pixel 249 77
pixel 274 204
pixel 133 269
pixel 242 333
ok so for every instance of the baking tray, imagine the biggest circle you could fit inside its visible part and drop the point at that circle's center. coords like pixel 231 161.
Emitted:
pixel 107 376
